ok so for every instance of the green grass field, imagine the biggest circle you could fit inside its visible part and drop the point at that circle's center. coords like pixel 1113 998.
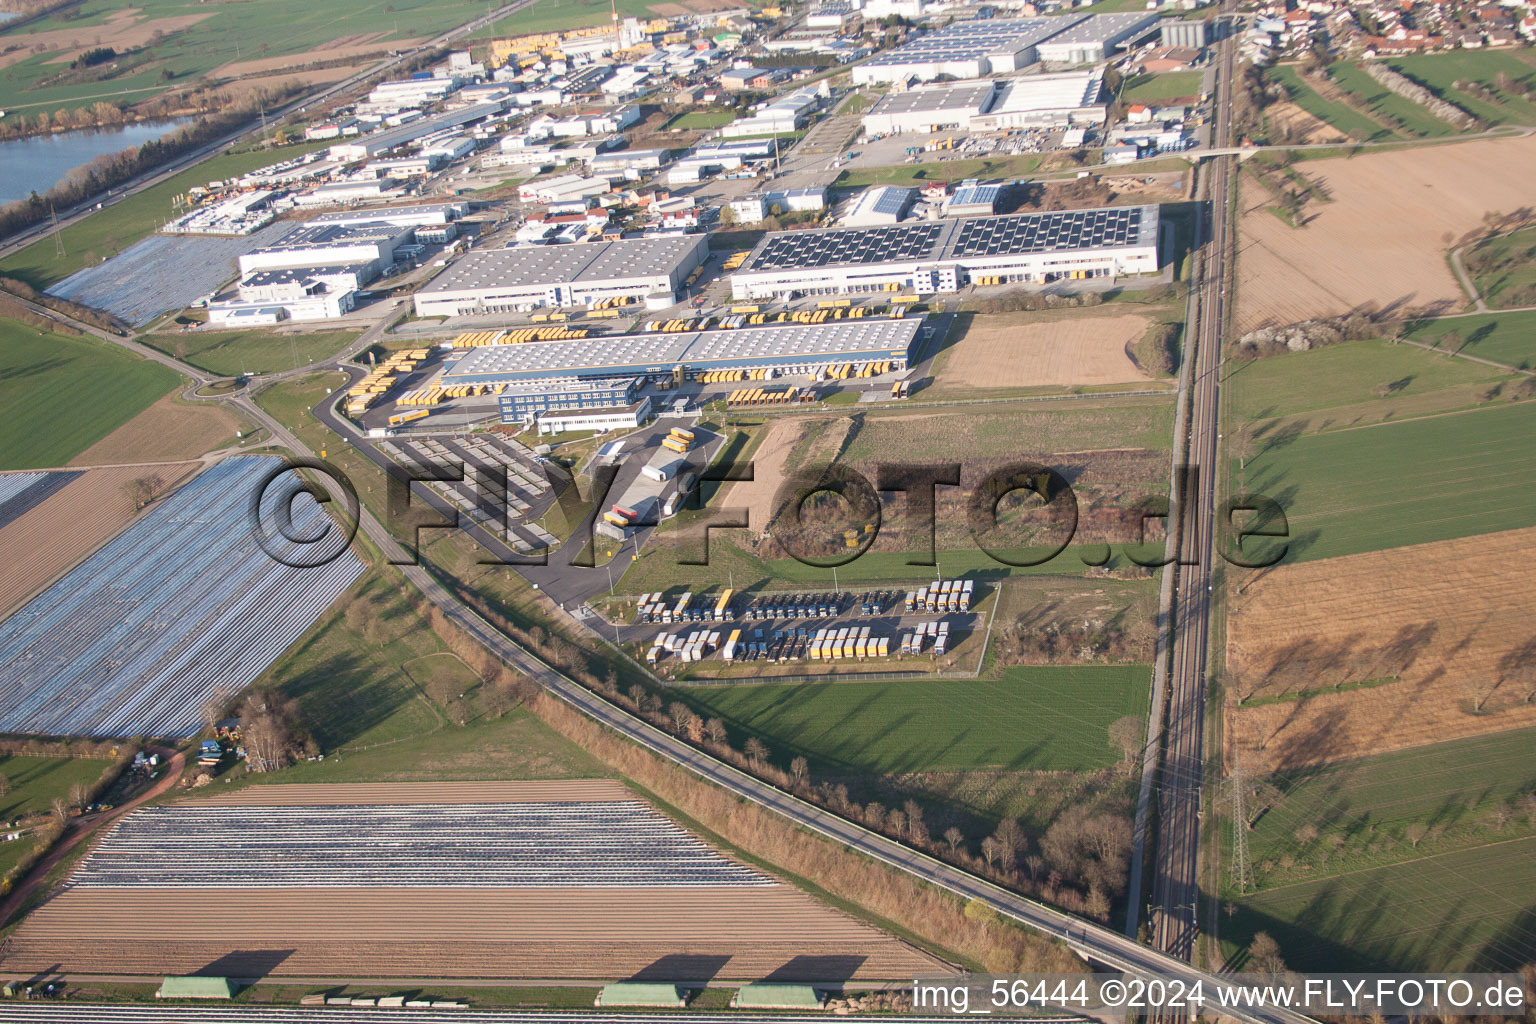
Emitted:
pixel 1395 484
pixel 1414 118
pixel 251 351
pixel 1171 85
pixel 1439 72
pixel 250 30
pixel 1347 120
pixel 36 781
pixel 1398 861
pixel 1508 338
pixel 118 226
pixel 1032 719
pixel 1339 384
pixel 557 15
pixel 61 395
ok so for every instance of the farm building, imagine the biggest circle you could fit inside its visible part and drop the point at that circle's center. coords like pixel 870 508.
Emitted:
pixel 966 49
pixel 641 993
pixel 775 995
pixel 196 987
pixel 945 256
pixel 791 349
pixel 502 280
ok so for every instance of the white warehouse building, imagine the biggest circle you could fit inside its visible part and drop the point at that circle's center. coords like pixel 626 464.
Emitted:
pixel 1038 101
pixel 966 49
pixel 583 273
pixel 945 256
pixel 929 108
pixel 1096 37
pixel 371 245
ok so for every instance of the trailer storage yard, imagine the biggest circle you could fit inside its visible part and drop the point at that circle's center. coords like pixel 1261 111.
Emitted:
pixel 550 880
pixel 183 605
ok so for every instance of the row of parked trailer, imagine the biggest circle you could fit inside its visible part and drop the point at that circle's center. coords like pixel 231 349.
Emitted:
pixel 942 596
pixel 678 440
pixel 516 336
pixel 657 608
pixel 913 642
pixel 743 397
pixel 828 644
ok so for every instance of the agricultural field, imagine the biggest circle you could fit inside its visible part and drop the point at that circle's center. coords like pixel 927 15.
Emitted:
pixel 102 386
pixel 170 429
pixel 1439 72
pixel 1031 719
pixel 44 540
pixel 1021 350
pixel 1352 384
pixel 1413 118
pixel 110 231
pixel 1387 861
pixel 250 351
pixel 1392 484
pixel 1343 657
pixel 182 607
pixel 1504 269
pixel 1291 123
pixel 1163 88
pixel 1381 243
pixel 164 44
pixel 1345 119
pixel 1508 338
pixel 558 15
pixel 630 891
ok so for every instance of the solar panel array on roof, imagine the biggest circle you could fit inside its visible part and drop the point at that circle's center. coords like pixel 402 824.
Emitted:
pixel 799 249
pixel 1072 229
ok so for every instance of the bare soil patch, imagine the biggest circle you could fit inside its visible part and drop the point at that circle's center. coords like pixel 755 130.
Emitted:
pixel 569 934
pixel 1020 350
pixel 340 49
pixel 340 793
pixel 768 464
pixel 1449 621
pixel 48 539
pixel 1381 243
pixel 168 430
pixel 1302 127
pixel 320 76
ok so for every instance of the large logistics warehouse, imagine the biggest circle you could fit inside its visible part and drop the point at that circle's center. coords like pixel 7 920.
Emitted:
pixel 1025 101
pixel 1095 38
pixel 944 256
pixel 788 350
pixel 583 273
pixel 966 49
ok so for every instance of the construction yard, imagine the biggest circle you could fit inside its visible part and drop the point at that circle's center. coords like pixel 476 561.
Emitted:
pixel 573 881
pixel 1381 243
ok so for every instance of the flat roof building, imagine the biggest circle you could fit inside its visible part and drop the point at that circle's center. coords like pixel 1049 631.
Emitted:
pixel 1046 101
pixel 504 280
pixel 881 204
pixel 929 109
pixel 365 146
pixel 966 49
pixel 430 213
pixel 370 244
pixel 944 256
pixel 1096 37
pixel 786 350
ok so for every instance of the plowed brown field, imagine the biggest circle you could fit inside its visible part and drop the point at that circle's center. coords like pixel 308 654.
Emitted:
pixel 1382 241
pixel 168 429
pixel 1021 350
pixel 335 793
pixel 391 933
pixel 69 524
pixel 1452 620
pixel 576 934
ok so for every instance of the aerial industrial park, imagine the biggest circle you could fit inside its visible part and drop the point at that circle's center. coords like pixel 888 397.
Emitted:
pixel 597 510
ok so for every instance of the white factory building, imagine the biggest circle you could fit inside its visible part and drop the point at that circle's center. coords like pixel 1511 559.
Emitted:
pixel 413 216
pixel 584 273
pixel 965 49
pixel 1097 37
pixel 1045 101
pixel 781 116
pixel 945 256
pixel 320 244
pixel 933 108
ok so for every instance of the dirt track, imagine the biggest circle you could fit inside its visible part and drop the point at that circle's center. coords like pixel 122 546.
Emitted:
pixel 1382 241
pixel 1451 619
